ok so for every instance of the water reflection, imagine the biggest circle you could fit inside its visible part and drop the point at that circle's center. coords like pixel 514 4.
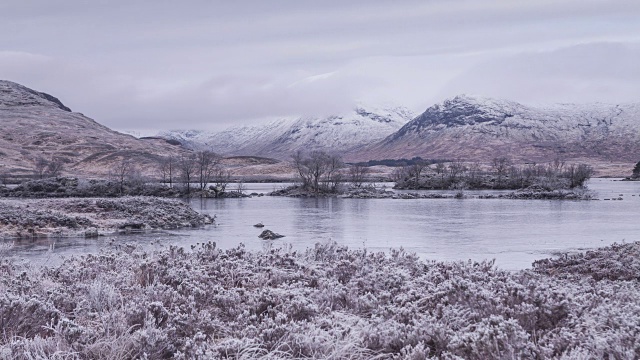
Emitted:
pixel 514 232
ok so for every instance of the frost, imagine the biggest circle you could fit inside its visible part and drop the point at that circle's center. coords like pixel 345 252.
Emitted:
pixel 327 302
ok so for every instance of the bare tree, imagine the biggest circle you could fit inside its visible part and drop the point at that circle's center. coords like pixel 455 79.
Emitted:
pixel 474 172
pixel 578 174
pixel 400 174
pixel 40 167
pixel 415 171
pixel 221 178
pixel 456 168
pixel 500 167
pixel 304 172
pixel 240 187
pixel 206 165
pixel 357 174
pixel 167 167
pixel 333 175
pixel 55 167
pixel 318 167
pixel 121 172
pixel 186 166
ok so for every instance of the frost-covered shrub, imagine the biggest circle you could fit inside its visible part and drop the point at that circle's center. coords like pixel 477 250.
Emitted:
pixel 616 262
pixel 328 302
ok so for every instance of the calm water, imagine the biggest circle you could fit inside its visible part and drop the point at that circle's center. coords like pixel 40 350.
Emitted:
pixel 514 232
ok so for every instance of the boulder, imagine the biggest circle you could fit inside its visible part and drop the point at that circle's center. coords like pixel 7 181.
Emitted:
pixel 269 235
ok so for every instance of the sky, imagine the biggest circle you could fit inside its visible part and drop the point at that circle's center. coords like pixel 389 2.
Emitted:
pixel 145 66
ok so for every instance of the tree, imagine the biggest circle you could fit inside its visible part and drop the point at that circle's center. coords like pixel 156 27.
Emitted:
pixel 167 167
pixel 500 167
pixel 578 174
pixel 121 172
pixel 456 168
pixel 187 170
pixel 55 167
pixel 40 167
pixel 357 174
pixel 44 168
pixel 318 168
pixel 400 174
pixel 333 175
pixel 221 178
pixel 206 165
pixel 415 170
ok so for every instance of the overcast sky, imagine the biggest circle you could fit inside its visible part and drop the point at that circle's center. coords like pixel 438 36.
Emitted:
pixel 143 66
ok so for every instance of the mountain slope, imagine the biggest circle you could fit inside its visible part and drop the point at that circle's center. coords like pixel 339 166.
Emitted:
pixel 476 128
pixel 35 124
pixel 281 138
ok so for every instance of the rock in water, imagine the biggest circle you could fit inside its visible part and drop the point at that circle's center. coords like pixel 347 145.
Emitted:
pixel 269 235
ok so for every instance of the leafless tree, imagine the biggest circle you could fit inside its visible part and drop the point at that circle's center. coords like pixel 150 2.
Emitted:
pixel 318 168
pixel 40 167
pixel 55 167
pixel 400 174
pixel 304 172
pixel 556 166
pixel 578 174
pixel 187 168
pixel 167 167
pixel 206 165
pixel 240 187
pixel 415 171
pixel 456 169
pixel 121 172
pixel 333 175
pixel 221 178
pixel 44 168
pixel 500 167
pixel 474 172
pixel 357 174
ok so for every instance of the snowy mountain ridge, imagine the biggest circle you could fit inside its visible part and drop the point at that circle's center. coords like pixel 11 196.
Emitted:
pixel 479 128
pixel 281 138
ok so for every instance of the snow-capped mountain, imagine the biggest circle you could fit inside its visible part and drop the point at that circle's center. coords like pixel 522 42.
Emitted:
pixel 477 128
pixel 281 138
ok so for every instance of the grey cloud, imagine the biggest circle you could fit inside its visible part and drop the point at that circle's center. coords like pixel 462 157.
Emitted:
pixel 606 72
pixel 206 64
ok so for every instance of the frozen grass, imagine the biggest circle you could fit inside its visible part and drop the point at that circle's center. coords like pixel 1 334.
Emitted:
pixel 326 303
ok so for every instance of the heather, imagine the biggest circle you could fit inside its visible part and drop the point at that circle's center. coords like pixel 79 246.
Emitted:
pixel 91 217
pixel 326 302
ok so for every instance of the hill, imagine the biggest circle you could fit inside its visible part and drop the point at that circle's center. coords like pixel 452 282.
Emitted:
pixel 36 125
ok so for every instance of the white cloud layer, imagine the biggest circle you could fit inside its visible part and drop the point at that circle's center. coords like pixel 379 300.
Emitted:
pixel 147 65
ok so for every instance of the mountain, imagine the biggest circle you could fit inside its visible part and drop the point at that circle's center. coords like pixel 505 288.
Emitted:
pixel 37 125
pixel 281 138
pixel 480 129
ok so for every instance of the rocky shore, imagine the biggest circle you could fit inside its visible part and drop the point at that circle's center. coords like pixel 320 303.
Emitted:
pixel 90 217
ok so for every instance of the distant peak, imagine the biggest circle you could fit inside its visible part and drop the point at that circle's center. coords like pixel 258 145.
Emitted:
pixel 14 94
